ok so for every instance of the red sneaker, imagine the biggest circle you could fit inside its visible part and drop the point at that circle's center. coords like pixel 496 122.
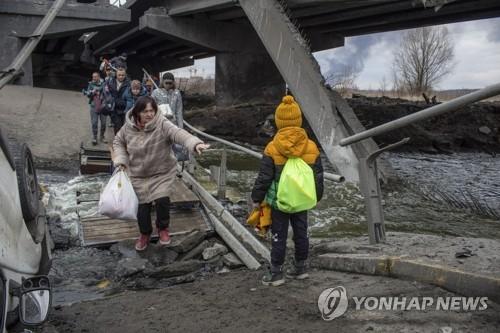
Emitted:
pixel 142 242
pixel 164 237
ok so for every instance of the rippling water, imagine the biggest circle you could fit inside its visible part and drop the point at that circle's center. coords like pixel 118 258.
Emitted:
pixel 407 205
pixel 477 174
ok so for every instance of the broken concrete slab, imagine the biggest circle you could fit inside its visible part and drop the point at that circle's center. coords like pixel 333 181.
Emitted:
pixel 231 260
pixel 433 249
pixel 175 269
pixel 196 252
pixel 159 255
pixel 215 250
pixel 484 130
pixel 130 266
pixel 468 284
pixel 125 248
pixel 333 247
pixel 156 254
pixel 223 270
pixel 189 242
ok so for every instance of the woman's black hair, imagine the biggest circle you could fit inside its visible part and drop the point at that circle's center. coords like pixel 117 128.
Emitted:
pixel 140 105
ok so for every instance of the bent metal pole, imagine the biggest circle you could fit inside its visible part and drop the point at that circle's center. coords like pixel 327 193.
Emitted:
pixel 10 72
pixel 326 175
pixel 436 110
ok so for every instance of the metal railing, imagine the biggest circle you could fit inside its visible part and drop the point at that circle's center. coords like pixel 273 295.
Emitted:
pixel 326 175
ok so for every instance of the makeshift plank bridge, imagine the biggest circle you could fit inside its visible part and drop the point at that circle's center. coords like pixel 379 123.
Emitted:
pixel 192 208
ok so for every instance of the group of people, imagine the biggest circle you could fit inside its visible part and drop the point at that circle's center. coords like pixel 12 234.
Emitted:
pixel 144 147
pixel 116 94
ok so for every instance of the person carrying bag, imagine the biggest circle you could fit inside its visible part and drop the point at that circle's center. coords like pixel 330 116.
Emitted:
pixel 143 148
pixel 290 180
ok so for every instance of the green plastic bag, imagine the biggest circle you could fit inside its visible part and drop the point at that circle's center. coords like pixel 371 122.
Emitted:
pixel 296 188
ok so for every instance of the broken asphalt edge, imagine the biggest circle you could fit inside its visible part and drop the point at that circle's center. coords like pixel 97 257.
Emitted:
pixel 454 280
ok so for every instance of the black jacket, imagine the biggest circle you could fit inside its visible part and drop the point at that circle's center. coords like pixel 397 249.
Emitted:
pixel 119 94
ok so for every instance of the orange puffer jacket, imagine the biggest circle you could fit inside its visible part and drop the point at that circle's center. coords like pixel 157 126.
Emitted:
pixel 288 142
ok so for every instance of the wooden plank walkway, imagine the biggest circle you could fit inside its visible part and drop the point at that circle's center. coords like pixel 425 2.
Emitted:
pixel 97 231
pixel 186 214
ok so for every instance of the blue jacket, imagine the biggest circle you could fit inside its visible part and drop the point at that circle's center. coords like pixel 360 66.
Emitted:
pixel 131 99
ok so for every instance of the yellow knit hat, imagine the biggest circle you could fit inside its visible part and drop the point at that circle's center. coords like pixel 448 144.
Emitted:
pixel 288 113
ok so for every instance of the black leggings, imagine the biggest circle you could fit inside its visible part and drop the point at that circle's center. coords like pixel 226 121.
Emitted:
pixel 162 215
pixel 279 230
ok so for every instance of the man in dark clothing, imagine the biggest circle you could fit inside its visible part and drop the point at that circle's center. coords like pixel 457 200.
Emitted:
pixel 118 86
pixel 291 141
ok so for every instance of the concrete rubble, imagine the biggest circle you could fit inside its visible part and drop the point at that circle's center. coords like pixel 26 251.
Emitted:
pixel 231 261
pixel 215 250
pixel 187 257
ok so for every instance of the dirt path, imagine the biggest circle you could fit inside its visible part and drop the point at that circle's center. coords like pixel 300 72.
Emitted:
pixel 237 302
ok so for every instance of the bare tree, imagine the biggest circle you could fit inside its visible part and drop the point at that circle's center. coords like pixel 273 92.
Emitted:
pixel 423 58
pixel 343 80
pixel 382 85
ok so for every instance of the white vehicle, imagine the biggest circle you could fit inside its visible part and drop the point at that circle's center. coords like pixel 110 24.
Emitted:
pixel 25 256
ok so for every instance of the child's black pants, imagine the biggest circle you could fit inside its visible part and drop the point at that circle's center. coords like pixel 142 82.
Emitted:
pixel 279 230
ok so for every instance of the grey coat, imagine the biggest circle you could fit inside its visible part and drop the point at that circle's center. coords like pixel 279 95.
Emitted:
pixel 173 98
pixel 147 155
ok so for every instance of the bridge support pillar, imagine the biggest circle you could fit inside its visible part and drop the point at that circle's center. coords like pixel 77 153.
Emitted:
pixel 9 50
pixel 328 113
pixel 247 78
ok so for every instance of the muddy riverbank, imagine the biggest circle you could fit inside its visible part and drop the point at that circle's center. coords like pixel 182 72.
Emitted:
pixel 237 302
pixel 472 128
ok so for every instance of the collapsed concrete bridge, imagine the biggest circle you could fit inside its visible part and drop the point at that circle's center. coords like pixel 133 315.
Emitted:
pixel 258 44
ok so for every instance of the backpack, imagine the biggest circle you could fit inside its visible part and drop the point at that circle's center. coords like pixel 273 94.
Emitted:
pixel 296 187
pixel 107 105
pixel 96 100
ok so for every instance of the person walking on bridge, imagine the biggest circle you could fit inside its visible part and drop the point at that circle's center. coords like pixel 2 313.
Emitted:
pixel 118 86
pixel 290 144
pixel 93 92
pixel 169 94
pixel 143 148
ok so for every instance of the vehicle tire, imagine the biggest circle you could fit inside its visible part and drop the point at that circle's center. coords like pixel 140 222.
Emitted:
pixel 29 191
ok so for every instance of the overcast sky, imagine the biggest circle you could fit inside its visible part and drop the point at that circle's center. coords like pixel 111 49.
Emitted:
pixel 477 56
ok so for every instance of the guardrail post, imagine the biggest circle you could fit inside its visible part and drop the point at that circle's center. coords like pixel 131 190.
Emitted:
pixel 221 184
pixel 370 187
pixel 218 174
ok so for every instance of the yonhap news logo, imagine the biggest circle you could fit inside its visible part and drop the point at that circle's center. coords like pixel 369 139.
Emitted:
pixel 333 303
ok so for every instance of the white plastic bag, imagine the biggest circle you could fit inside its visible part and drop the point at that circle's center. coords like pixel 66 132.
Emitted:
pixel 118 199
pixel 166 111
